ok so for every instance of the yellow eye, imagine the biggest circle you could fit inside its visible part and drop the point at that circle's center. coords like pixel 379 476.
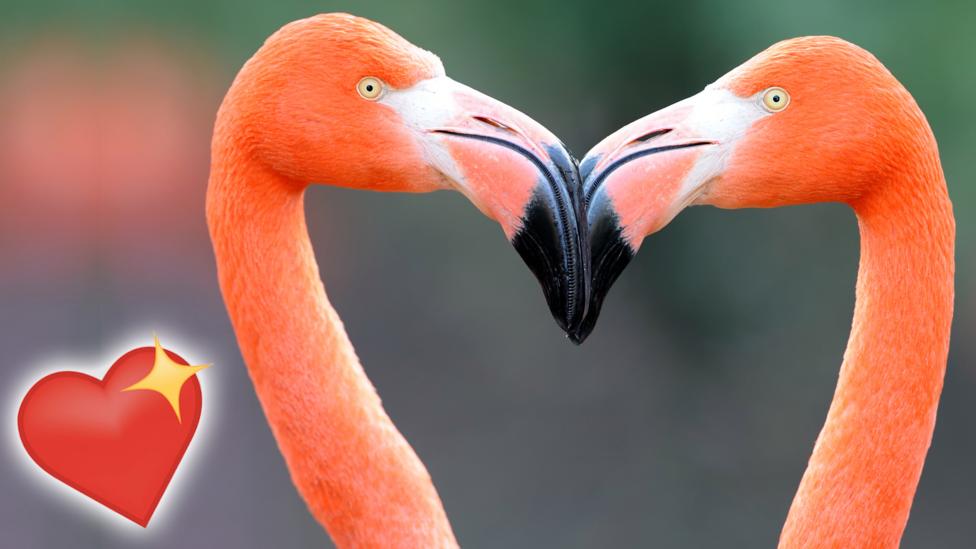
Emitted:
pixel 370 88
pixel 775 99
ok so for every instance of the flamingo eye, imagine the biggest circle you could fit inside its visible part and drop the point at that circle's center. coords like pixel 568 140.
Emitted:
pixel 775 99
pixel 370 88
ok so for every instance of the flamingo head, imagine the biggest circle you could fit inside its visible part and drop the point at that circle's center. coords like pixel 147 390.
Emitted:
pixel 808 120
pixel 341 100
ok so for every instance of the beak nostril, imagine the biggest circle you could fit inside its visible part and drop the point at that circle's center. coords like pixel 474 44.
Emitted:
pixel 650 136
pixel 494 123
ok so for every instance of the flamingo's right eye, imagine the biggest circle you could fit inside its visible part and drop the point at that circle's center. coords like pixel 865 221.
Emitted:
pixel 370 88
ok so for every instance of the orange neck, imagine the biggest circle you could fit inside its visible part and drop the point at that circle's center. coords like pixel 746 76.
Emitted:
pixel 358 475
pixel 858 487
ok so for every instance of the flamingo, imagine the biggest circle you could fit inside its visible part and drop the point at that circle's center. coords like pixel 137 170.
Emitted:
pixel 340 100
pixel 808 120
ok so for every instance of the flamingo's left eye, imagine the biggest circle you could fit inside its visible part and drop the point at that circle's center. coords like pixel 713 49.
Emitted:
pixel 370 88
pixel 775 99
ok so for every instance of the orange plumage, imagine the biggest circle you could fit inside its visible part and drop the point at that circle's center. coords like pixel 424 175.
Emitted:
pixel 293 116
pixel 851 133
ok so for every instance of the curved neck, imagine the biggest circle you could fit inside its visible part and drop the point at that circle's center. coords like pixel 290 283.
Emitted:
pixel 358 475
pixel 858 487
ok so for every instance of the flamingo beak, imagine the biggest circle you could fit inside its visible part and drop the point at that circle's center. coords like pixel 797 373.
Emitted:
pixel 634 182
pixel 549 240
pixel 516 172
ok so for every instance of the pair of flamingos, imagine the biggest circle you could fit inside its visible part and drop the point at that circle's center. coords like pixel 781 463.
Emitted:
pixel 340 100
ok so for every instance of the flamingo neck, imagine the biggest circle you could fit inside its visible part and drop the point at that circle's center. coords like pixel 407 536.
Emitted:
pixel 858 487
pixel 361 480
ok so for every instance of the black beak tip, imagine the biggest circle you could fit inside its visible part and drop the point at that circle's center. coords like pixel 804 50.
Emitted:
pixel 549 245
pixel 579 334
pixel 545 264
pixel 610 253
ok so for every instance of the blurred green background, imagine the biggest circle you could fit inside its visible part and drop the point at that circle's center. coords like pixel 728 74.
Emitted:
pixel 684 421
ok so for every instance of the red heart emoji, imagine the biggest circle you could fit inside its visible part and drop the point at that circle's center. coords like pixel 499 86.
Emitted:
pixel 118 447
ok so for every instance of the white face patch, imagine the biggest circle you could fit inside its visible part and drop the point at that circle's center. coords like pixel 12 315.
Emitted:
pixel 720 116
pixel 427 105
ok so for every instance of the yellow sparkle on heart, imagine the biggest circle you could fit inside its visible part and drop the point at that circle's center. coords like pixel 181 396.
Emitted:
pixel 167 378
